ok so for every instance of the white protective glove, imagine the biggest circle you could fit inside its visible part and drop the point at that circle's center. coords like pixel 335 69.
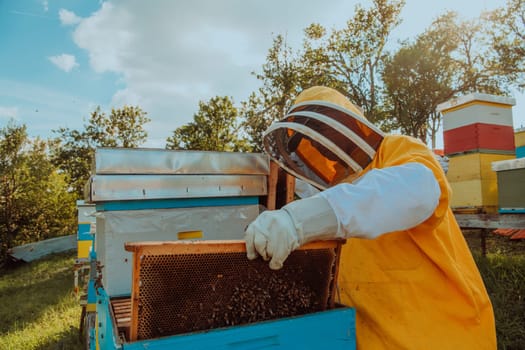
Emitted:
pixel 276 233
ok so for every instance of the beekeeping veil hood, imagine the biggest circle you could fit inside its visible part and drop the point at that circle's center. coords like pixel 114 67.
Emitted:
pixel 324 139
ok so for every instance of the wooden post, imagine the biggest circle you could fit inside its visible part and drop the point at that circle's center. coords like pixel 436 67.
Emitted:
pixel 135 295
pixel 290 188
pixel 271 198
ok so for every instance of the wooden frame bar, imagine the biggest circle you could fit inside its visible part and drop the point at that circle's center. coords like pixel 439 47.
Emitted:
pixel 206 247
pixel 281 187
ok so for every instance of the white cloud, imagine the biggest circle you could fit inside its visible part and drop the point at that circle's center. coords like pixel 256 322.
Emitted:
pixel 68 18
pixel 45 4
pixel 8 112
pixel 172 55
pixel 65 62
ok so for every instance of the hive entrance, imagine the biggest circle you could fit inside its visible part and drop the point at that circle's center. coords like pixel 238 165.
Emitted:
pixel 213 285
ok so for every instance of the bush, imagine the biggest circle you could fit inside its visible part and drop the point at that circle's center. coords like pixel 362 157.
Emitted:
pixel 504 277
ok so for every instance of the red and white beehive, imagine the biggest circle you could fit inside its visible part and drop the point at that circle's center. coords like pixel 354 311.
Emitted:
pixel 477 130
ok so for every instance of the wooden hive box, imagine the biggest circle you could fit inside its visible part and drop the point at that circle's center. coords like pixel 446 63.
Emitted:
pixel 478 122
pixel 511 185
pixel 519 140
pixel 473 182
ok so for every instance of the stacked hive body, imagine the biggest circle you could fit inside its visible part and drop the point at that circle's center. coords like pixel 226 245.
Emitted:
pixel 477 130
pixel 163 195
pixel 511 185
pixel 85 229
pixel 519 140
pixel 85 239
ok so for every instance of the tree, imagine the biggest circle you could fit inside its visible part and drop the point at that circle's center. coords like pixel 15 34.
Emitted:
pixel 474 66
pixel 417 78
pixel 314 64
pixel 507 38
pixel 73 150
pixel 34 200
pixel 215 127
pixel 450 58
pixel 356 54
pixel 280 77
pixel 255 121
pixel 349 60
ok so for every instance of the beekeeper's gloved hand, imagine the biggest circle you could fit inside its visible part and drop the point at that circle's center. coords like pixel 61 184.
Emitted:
pixel 276 233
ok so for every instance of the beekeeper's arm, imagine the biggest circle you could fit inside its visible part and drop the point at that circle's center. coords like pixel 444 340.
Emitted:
pixel 383 200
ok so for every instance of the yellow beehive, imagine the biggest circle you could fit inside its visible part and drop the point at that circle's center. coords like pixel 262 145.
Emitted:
pixel 519 137
pixel 473 182
pixel 519 140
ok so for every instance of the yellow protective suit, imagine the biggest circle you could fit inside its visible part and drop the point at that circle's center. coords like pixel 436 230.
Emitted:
pixel 419 288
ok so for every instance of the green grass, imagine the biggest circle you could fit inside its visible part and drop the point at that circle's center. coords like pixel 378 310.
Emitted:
pixel 504 277
pixel 38 309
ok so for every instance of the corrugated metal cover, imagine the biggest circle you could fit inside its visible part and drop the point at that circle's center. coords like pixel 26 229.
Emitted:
pixel 162 161
pixel 144 187
pixel 148 174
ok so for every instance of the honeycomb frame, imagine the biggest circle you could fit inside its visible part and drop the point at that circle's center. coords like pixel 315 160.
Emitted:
pixel 189 286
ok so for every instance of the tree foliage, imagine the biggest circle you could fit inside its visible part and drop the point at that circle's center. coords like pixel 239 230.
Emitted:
pixel 417 78
pixel 507 39
pixel 73 150
pixel 451 58
pixel 399 90
pixel 280 77
pixel 215 127
pixel 349 59
pixel 356 54
pixel 414 86
pixel 34 201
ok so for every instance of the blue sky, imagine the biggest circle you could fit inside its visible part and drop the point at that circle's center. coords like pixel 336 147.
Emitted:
pixel 62 58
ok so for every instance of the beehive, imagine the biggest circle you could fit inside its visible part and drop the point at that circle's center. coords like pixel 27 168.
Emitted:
pixel 477 130
pixel 478 123
pixel 511 185
pixel 85 229
pixel 472 180
pixel 188 286
pixel 519 140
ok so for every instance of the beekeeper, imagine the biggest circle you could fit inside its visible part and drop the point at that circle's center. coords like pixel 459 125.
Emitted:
pixel 405 267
